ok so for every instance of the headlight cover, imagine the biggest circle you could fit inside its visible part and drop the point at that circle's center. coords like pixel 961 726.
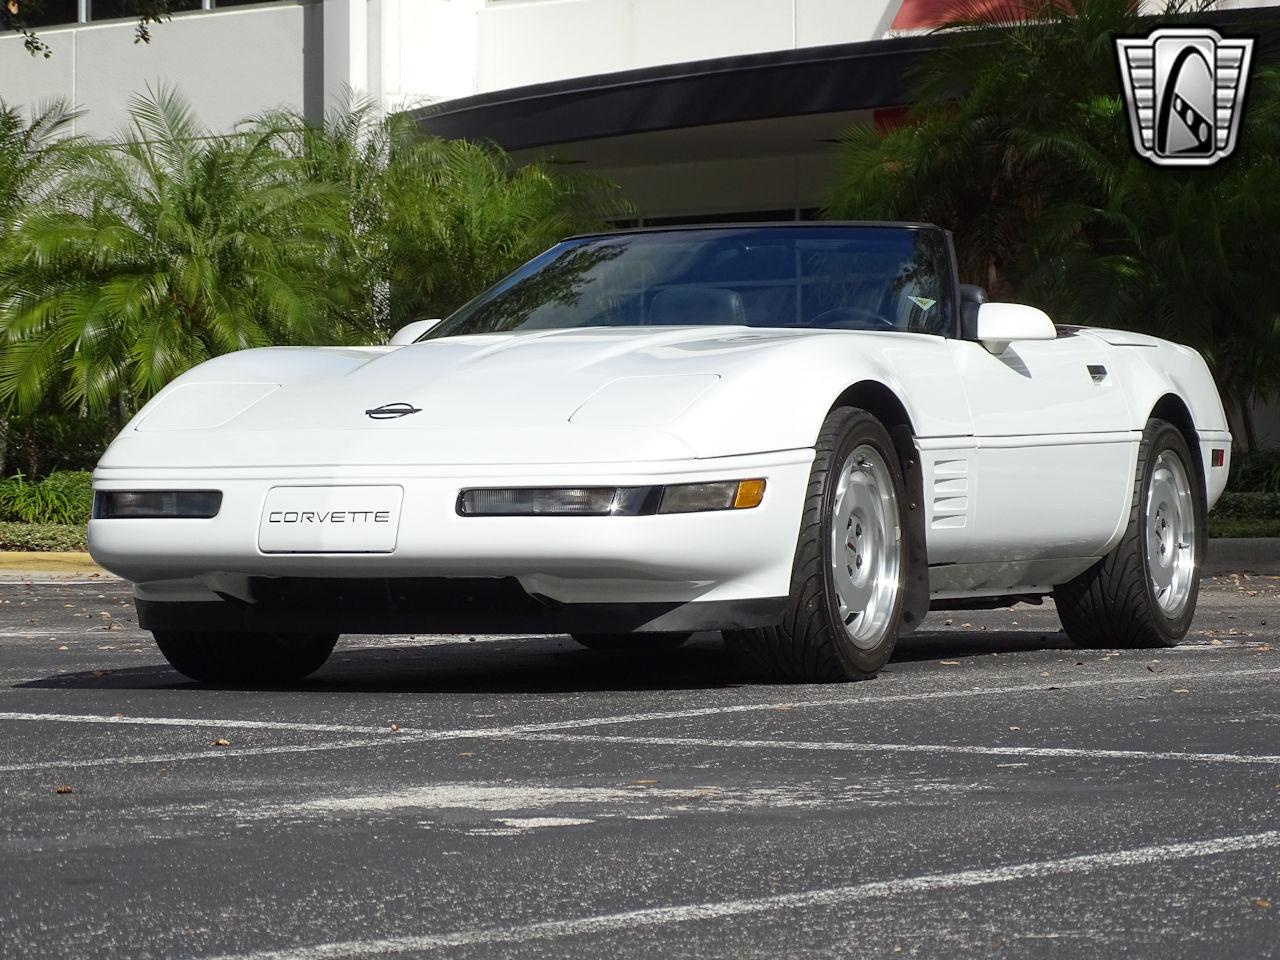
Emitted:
pixel 643 401
pixel 203 406
pixel 610 501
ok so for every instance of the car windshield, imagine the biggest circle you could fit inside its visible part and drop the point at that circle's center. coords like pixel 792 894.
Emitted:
pixel 841 277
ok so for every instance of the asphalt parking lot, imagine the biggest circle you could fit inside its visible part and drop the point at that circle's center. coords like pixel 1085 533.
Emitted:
pixel 994 793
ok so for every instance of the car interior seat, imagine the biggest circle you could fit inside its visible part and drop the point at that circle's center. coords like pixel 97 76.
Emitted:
pixel 681 306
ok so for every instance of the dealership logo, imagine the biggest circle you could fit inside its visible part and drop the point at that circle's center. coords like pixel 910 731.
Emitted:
pixel 1184 87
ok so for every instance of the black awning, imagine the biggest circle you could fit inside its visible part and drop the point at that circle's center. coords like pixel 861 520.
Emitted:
pixel 843 77
pixel 831 79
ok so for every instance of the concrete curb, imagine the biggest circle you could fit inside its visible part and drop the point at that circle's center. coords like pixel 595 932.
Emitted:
pixel 17 565
pixel 1260 555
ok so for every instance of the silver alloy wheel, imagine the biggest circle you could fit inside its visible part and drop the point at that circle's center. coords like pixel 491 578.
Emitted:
pixel 866 546
pixel 1171 533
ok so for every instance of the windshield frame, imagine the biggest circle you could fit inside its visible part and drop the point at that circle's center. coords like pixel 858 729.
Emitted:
pixel 950 282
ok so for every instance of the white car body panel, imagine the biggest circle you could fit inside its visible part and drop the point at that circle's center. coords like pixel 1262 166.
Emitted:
pixel 1028 458
pixel 728 555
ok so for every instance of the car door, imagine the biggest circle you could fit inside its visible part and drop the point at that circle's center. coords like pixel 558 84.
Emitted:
pixel 1053 455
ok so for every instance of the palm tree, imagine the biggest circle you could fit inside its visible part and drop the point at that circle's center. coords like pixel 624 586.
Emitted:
pixel 180 247
pixel 1191 255
pixel 34 152
pixel 1019 145
pixel 348 150
pixel 460 215
pixel 434 222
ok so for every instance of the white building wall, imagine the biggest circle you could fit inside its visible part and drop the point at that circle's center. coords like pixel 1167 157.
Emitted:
pixel 428 50
pixel 519 42
pixel 230 64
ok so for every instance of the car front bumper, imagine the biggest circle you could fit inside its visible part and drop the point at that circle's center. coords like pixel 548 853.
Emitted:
pixel 608 568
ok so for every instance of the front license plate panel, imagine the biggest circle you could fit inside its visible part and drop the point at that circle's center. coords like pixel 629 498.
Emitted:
pixel 330 520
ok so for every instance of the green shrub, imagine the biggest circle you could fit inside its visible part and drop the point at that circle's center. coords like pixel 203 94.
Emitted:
pixel 31 502
pixel 64 497
pixel 76 487
pixel 1257 471
pixel 1226 528
pixel 41 537
pixel 1247 506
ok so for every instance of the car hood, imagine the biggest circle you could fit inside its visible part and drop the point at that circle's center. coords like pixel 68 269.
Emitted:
pixel 603 394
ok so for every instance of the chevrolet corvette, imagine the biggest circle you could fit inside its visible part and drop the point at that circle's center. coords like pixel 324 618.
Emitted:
pixel 804 436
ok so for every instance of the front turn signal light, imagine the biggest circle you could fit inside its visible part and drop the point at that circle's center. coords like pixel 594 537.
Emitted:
pixel 750 493
pixel 720 495
pixel 610 501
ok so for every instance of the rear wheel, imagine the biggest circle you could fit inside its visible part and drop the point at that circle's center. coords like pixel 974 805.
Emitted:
pixel 1143 593
pixel 845 605
pixel 225 656
pixel 632 641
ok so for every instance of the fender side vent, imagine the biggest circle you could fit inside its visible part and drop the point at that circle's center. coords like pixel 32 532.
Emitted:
pixel 950 494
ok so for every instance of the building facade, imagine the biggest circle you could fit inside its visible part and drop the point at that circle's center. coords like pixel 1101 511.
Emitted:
pixel 237 57
pixel 702 110
pixel 761 144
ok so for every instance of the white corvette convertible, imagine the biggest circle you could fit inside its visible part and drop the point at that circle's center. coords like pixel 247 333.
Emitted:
pixel 803 436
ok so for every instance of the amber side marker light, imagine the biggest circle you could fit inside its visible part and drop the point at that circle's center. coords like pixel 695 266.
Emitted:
pixel 750 493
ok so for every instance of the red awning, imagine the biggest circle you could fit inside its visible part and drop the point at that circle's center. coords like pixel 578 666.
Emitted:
pixel 922 14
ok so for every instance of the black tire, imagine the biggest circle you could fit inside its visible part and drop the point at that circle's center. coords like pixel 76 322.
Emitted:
pixel 227 657
pixel 1114 603
pixel 811 644
pixel 637 642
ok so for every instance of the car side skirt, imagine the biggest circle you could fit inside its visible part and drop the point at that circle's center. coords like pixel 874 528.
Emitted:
pixel 440 605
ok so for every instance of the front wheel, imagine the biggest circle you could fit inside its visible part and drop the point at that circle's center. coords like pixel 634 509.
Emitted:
pixel 844 610
pixel 1143 593
pixel 228 657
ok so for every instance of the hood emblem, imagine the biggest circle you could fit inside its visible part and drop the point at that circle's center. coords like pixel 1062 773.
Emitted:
pixel 390 411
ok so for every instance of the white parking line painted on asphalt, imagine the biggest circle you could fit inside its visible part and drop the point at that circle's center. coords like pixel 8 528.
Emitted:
pixel 411 734
pixel 197 722
pixel 827 897
pixel 836 745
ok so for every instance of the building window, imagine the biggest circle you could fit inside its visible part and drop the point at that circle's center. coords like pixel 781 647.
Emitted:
pixel 128 9
pixel 51 13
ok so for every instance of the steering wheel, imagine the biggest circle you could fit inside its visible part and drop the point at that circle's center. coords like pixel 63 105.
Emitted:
pixel 858 317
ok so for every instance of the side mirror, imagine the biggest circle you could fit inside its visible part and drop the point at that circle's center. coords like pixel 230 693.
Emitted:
pixel 411 332
pixel 1000 323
